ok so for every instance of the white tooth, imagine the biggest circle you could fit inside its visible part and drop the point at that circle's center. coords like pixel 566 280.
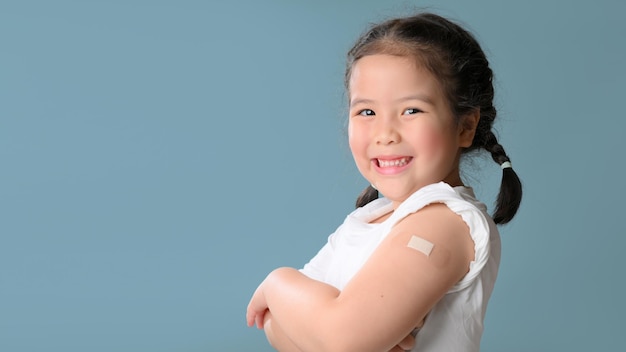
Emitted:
pixel 390 163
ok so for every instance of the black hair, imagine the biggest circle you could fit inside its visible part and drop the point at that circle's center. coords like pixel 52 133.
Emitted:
pixel 456 59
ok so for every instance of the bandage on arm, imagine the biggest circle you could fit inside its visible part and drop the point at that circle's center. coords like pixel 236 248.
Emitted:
pixel 438 255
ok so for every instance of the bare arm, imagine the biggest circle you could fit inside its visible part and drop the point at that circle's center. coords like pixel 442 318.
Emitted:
pixel 277 337
pixel 383 302
pixel 281 342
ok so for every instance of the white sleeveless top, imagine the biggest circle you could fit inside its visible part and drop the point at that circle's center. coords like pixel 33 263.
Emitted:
pixel 456 322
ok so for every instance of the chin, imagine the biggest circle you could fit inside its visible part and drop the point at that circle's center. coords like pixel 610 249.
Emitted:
pixel 395 195
pixel 398 193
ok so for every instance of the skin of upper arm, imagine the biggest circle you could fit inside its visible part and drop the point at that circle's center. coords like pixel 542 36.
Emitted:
pixel 398 285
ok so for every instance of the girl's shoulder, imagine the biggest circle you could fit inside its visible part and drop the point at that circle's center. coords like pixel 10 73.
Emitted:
pixel 461 203
pixel 458 199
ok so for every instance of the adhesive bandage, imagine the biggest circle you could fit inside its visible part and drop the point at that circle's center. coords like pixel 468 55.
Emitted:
pixel 438 256
pixel 421 245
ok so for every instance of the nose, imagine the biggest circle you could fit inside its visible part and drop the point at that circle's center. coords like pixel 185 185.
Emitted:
pixel 387 132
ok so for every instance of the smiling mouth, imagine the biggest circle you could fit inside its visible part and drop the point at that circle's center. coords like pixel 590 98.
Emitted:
pixel 393 163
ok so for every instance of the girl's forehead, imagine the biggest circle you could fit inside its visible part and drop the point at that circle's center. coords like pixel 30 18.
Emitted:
pixel 391 74
pixel 382 66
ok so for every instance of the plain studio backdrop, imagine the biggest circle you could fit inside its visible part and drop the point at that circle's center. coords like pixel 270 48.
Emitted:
pixel 159 158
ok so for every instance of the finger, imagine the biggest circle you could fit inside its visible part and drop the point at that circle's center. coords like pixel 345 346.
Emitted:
pixel 249 318
pixel 407 343
pixel 259 321
pixel 252 317
pixel 396 348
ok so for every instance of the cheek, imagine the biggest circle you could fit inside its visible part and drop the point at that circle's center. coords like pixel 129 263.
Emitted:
pixel 358 143
pixel 432 145
pixel 355 139
pixel 429 140
pixel 433 142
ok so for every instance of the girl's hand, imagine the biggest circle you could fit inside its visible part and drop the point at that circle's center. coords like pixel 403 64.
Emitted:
pixel 409 341
pixel 405 345
pixel 257 308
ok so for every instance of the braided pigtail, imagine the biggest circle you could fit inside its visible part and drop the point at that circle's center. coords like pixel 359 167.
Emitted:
pixel 369 194
pixel 510 195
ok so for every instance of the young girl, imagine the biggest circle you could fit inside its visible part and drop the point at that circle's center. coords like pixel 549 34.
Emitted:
pixel 414 269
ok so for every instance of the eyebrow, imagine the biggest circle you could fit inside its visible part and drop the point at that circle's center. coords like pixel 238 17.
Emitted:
pixel 420 97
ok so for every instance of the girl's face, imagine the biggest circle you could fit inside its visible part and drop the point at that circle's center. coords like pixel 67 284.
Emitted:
pixel 402 133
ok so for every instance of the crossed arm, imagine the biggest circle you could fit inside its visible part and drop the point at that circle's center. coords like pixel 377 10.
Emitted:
pixel 384 301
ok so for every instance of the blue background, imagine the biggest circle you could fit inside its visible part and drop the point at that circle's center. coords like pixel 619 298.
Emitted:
pixel 158 158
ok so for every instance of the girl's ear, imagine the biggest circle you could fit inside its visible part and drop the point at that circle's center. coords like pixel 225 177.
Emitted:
pixel 467 128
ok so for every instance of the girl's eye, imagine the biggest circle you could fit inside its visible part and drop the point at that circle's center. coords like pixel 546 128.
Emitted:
pixel 366 112
pixel 412 111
